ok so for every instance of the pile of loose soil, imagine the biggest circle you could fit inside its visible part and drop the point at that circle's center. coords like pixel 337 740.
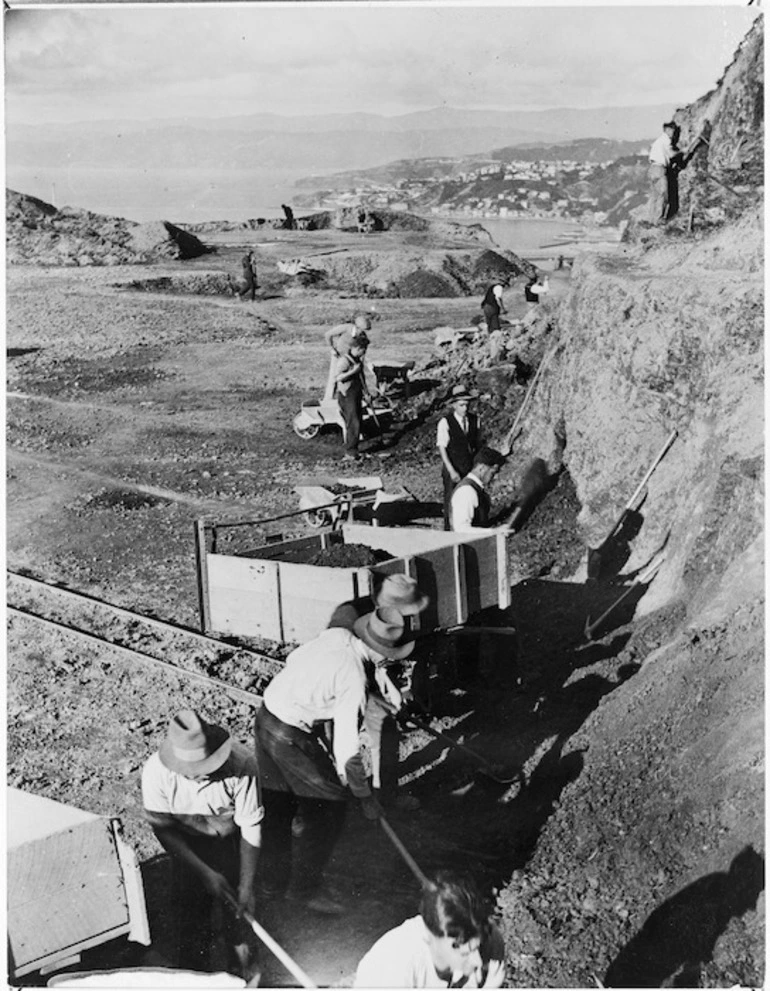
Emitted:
pixel 348 556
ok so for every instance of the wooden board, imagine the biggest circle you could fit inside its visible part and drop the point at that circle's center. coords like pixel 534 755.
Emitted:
pixel 244 597
pixel 64 890
pixel 309 595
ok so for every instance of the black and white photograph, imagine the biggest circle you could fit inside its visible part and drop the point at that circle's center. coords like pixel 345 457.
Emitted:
pixel 384 496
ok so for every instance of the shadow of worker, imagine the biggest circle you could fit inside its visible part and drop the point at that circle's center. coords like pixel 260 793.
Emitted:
pixel 679 937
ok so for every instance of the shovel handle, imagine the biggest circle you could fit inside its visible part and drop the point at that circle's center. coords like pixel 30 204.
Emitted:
pixel 449 741
pixel 408 858
pixel 278 951
pixel 671 438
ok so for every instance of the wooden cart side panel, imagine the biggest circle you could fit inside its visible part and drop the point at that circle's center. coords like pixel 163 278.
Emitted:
pixel 400 541
pixel 275 552
pixel 309 596
pixel 64 889
pixel 481 570
pixel 244 597
pixel 436 575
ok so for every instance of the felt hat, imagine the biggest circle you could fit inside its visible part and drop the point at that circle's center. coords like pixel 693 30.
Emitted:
pixel 193 746
pixel 382 630
pixel 489 456
pixel 460 392
pixel 400 592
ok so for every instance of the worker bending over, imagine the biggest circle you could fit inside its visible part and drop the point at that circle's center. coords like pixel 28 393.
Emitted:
pixel 201 797
pixel 340 337
pixel 451 944
pixel 324 679
pixel 470 504
pixel 399 592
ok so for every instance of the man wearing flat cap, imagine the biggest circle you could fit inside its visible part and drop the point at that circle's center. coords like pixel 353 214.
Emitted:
pixel 399 592
pixel 324 679
pixel 470 500
pixel 201 797
pixel 457 439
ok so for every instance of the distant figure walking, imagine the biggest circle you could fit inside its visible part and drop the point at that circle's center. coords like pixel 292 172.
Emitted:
pixel 249 281
pixel 492 305
pixel 665 162
pixel 289 223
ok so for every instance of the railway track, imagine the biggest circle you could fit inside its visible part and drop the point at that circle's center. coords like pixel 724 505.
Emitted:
pixel 239 671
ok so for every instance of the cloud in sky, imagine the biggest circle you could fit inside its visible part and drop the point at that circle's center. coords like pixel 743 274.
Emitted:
pixel 196 61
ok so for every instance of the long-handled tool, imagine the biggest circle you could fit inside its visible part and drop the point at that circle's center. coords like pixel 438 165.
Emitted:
pixel 511 435
pixel 595 553
pixel 488 769
pixel 408 858
pixel 641 579
pixel 278 951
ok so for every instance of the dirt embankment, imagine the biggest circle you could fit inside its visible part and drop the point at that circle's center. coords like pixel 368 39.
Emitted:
pixel 650 870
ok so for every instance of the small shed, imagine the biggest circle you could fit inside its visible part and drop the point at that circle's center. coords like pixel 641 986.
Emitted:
pixel 73 883
pixel 272 592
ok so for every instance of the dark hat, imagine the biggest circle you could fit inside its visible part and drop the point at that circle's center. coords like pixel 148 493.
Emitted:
pixel 193 746
pixel 382 630
pixel 489 456
pixel 670 123
pixel 460 392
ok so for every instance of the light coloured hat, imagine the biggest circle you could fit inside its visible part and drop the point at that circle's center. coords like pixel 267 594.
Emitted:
pixel 193 746
pixel 383 630
pixel 400 592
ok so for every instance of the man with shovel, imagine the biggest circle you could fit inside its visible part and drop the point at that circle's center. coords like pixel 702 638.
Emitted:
pixel 470 503
pixel 201 797
pixel 324 679
pixel 399 592
pixel 458 439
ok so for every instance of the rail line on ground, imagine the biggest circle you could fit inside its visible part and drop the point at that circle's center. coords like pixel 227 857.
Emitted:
pixel 134 635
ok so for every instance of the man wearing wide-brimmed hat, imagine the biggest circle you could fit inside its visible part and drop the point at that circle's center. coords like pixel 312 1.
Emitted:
pixel 322 680
pixel 457 439
pixel 201 797
pixel 399 592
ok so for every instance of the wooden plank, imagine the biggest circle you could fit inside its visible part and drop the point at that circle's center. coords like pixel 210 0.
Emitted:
pixel 201 573
pixel 63 889
pixel 244 596
pixel 460 588
pixel 274 552
pixel 503 579
pixel 309 595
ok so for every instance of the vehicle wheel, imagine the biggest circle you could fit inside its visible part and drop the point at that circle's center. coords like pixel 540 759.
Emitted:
pixel 318 517
pixel 306 432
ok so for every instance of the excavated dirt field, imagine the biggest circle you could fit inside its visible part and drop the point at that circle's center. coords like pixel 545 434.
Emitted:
pixel 132 413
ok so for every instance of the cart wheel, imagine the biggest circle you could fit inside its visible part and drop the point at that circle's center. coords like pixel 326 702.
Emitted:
pixel 318 517
pixel 306 432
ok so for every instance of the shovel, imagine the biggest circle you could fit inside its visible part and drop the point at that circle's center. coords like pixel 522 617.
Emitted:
pixel 595 553
pixel 510 437
pixel 641 579
pixel 408 858
pixel 487 769
pixel 278 951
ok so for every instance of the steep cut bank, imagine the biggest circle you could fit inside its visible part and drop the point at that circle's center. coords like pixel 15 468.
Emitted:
pixel 650 872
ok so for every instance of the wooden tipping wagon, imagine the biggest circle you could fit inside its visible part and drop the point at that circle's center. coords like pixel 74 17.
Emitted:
pixel 72 884
pixel 272 592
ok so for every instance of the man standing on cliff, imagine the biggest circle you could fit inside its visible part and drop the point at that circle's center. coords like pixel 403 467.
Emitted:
pixel 457 439
pixel 665 160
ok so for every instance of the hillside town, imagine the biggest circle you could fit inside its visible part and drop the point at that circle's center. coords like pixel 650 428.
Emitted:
pixel 562 189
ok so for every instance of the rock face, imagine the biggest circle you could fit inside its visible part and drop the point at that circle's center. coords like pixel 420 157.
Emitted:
pixel 666 335
pixel 39 234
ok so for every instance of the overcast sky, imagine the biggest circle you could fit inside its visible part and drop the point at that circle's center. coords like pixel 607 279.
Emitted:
pixel 211 61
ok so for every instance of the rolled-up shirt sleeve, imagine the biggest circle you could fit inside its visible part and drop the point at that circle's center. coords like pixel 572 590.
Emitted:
pixel 351 699
pixel 249 811
pixel 464 502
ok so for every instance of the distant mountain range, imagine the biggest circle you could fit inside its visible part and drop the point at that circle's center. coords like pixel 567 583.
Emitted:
pixel 319 144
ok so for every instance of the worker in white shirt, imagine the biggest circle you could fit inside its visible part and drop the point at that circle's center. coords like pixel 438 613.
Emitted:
pixel 322 680
pixel 458 438
pixel 341 336
pixel 470 500
pixel 201 797
pixel 452 943
pixel 665 159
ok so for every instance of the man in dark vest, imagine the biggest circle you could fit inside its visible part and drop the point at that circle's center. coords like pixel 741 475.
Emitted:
pixel 470 500
pixel 458 439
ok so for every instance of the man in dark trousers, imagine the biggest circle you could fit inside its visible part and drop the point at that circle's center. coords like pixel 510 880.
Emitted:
pixel 351 388
pixel 249 286
pixel 458 439
pixel 323 679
